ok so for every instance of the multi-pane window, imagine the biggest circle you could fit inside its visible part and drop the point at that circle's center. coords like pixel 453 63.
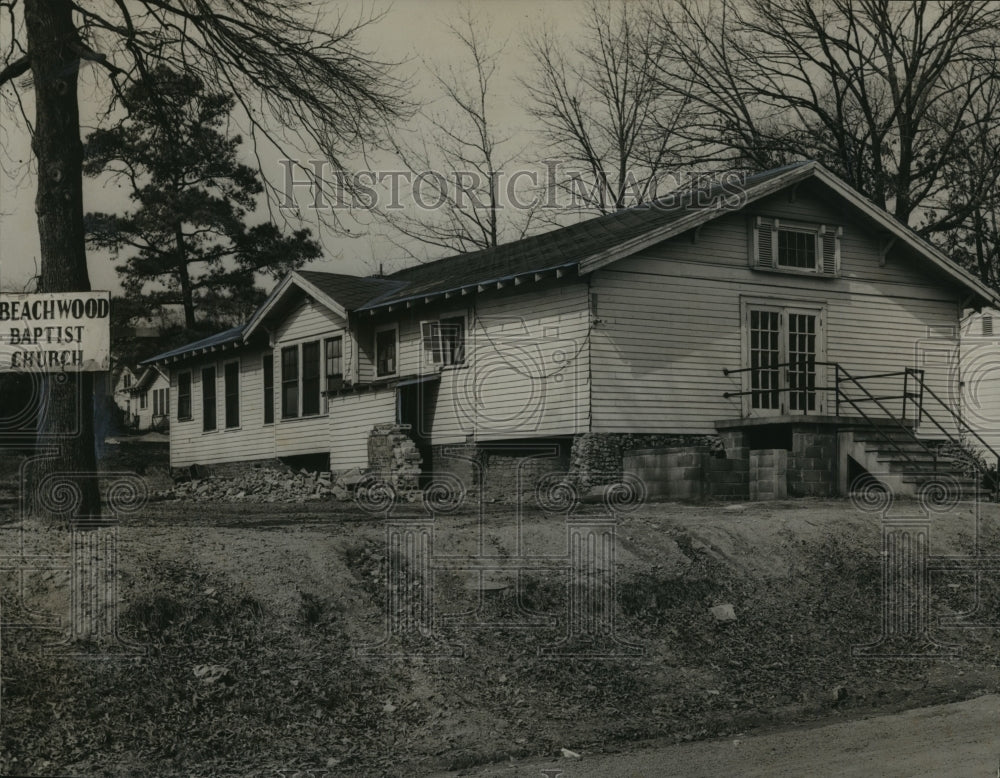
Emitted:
pixel 231 378
pixel 310 378
pixel 765 356
pixel 183 396
pixel 385 352
pixel 444 341
pixel 208 399
pixel 797 249
pixel 289 382
pixel 268 365
pixel 783 355
pixel 802 362
pixel 334 363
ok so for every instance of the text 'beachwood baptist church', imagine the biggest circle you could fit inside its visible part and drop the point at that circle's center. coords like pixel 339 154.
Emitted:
pixel 52 332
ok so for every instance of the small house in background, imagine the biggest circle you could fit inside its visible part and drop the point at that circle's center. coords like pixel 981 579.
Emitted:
pixel 980 376
pixel 149 404
pixel 122 381
pixel 751 337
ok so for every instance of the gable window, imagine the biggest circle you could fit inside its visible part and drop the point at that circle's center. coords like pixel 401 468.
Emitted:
pixel 334 358
pixel 795 247
pixel 268 365
pixel 444 341
pixel 184 397
pixel 127 378
pixel 385 352
pixel 208 399
pixel 310 378
pixel 290 382
pixel 231 377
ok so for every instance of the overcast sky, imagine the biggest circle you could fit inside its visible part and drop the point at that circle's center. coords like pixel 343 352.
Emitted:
pixel 413 30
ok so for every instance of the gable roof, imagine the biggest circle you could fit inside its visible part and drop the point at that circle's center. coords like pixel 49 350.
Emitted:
pixel 564 247
pixel 584 247
pixel 148 376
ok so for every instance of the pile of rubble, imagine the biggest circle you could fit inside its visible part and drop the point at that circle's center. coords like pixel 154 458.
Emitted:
pixel 267 485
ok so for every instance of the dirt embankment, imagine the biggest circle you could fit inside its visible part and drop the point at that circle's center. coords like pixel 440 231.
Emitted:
pixel 260 636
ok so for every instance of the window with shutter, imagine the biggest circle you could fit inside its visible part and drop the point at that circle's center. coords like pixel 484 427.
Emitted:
pixel 793 247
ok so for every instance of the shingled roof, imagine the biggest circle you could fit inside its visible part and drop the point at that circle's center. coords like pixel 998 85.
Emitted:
pixel 567 246
pixel 583 247
pixel 352 292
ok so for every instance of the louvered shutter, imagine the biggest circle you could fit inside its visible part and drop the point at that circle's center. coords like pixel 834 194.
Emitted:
pixel 830 245
pixel 764 241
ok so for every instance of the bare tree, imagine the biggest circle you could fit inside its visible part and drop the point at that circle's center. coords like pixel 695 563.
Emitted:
pixel 881 92
pixel 970 213
pixel 458 158
pixel 608 119
pixel 277 59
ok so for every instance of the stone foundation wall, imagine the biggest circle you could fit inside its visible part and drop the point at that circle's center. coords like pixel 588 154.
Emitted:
pixel 597 457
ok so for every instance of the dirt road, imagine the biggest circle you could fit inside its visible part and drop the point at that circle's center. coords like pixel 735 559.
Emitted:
pixel 961 740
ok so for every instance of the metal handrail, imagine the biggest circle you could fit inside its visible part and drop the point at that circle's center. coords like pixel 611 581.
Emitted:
pixel 918 376
pixel 840 394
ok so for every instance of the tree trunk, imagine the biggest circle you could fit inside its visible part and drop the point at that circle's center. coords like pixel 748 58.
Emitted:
pixel 67 417
pixel 187 296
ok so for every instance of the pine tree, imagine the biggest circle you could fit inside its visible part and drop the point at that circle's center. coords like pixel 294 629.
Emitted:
pixel 187 241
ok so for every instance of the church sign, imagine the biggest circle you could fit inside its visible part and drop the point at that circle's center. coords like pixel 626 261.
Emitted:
pixel 56 332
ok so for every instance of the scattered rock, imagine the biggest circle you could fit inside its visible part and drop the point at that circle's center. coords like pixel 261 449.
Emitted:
pixel 567 754
pixel 209 674
pixel 723 613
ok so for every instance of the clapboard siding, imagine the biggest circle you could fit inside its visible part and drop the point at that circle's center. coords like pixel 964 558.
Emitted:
pixel 980 391
pixel 251 440
pixel 352 417
pixel 670 320
pixel 526 371
pixel 143 417
pixel 308 321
